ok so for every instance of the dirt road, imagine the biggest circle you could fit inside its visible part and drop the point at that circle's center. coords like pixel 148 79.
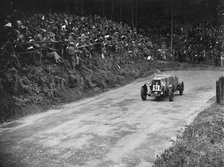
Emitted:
pixel 114 129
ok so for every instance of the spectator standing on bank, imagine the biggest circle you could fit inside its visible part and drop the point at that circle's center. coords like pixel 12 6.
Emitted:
pixel 55 55
pixel 103 50
pixel 222 58
pixel 71 54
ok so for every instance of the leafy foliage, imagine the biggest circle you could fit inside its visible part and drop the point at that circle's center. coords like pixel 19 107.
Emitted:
pixel 201 144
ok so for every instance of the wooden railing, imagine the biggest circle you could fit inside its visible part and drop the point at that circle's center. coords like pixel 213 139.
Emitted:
pixel 220 91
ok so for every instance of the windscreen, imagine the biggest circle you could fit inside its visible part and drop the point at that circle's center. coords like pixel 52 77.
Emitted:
pixel 156 82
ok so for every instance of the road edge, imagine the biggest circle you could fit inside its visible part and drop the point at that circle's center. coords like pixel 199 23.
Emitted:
pixel 200 143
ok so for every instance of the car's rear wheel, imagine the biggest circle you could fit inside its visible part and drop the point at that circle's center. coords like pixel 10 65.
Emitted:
pixel 171 94
pixel 143 92
pixel 181 88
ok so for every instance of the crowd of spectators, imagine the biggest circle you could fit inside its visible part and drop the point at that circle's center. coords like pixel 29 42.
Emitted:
pixel 195 42
pixel 202 44
pixel 62 36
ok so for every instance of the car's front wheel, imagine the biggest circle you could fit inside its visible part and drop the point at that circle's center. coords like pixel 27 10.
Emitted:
pixel 143 92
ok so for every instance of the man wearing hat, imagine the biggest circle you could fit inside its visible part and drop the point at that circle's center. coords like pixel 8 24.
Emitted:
pixel 71 50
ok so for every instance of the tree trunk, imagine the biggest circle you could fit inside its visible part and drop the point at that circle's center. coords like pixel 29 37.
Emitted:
pixel 74 7
pixel 132 15
pixel 112 10
pixel 203 27
pixel 49 6
pixel 103 9
pixel 185 28
pixel 121 11
pixel 82 7
pixel 136 14
pixel 171 33
pixel 67 10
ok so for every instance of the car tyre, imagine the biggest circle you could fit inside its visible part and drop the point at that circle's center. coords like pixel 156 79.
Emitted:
pixel 171 94
pixel 181 88
pixel 143 92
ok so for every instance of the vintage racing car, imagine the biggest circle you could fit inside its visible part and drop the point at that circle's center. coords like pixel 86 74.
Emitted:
pixel 162 85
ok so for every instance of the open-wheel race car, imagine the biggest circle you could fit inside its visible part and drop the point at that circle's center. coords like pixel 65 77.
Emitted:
pixel 162 85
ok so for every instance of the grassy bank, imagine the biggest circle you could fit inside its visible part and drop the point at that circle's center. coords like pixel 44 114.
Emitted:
pixel 34 89
pixel 200 145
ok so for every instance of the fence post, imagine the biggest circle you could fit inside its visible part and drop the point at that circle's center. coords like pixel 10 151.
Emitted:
pixel 217 92
pixel 222 86
pixel 220 89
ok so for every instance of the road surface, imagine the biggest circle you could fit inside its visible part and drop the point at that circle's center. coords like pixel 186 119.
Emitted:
pixel 113 129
